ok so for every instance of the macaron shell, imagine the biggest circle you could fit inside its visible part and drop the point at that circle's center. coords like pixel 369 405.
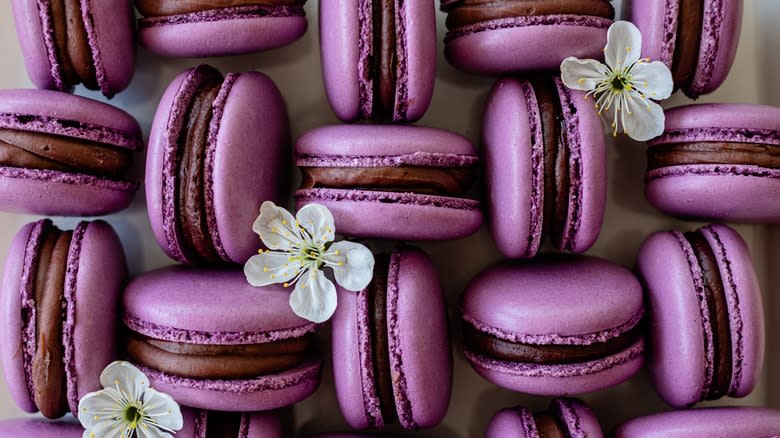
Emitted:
pixel 239 35
pixel 721 115
pixel 509 171
pixel 533 47
pixel 745 308
pixel 264 425
pixel 40 428
pixel 720 38
pixel 31 40
pixel 705 423
pixel 578 417
pixel 339 34
pixel 253 125
pixel 421 365
pixel 113 50
pixel 657 22
pixel 509 422
pixel 419 18
pixel 676 355
pixel 12 325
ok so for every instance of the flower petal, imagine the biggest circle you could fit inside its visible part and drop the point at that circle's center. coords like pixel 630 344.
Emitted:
pixel 352 264
pixel 95 407
pixel 314 297
pixel 317 220
pixel 624 45
pixel 654 80
pixel 163 410
pixel 107 429
pixel 271 268
pixel 582 74
pixel 276 228
pixel 644 120
pixel 126 378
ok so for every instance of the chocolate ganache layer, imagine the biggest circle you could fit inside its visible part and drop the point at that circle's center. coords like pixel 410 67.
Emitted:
pixel 380 349
pixel 421 180
pixel 468 12
pixel 686 48
pixel 762 155
pixel 72 47
pixel 548 426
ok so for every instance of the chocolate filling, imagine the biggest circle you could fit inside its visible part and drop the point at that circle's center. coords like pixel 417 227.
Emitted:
pixel 380 349
pixel 36 150
pixel 192 217
pixel 468 12
pixel 556 159
pixel 162 8
pixel 384 59
pixel 48 363
pixel 548 426
pixel 762 155
pixel 717 307
pixel 421 180
pixel 686 48
pixel 72 44
pixel 500 349
pixel 223 424
pixel 219 362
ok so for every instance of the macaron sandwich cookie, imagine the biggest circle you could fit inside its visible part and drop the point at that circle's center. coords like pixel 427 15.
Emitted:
pixel 64 155
pixel 71 42
pixel 197 28
pixel 741 422
pixel 495 37
pixel 377 57
pixel 216 424
pixel 401 182
pixel 59 304
pixel 558 325
pixel 696 39
pixel 211 341
pixel 545 165
pixel 565 418
pixel 706 325
pixel 717 161
pixel 392 359
pixel 29 427
pixel 216 152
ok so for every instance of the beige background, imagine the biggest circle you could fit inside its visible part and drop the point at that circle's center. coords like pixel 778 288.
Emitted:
pixel 457 105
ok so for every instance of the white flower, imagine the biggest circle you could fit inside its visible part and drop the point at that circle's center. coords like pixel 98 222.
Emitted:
pixel 127 407
pixel 299 249
pixel 626 87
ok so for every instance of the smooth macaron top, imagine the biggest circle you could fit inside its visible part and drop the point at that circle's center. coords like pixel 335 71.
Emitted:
pixel 683 347
pixel 246 139
pixel 28 427
pixel 209 306
pixel 722 122
pixel 734 422
pixel 573 418
pixel 556 299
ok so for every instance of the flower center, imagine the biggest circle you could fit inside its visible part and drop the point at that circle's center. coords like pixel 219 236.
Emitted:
pixel 132 415
pixel 619 83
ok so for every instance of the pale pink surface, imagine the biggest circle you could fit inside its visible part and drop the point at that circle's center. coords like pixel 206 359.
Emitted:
pixel 533 47
pixel 29 427
pixel 705 423
pixel 228 36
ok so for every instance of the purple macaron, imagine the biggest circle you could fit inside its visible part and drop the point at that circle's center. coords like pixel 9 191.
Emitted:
pixel 59 303
pixel 211 341
pixel 545 165
pixel 64 155
pixel 696 39
pixel 742 422
pixel 207 424
pixel 508 36
pixel 189 28
pixel 217 150
pixel 378 57
pixel 717 161
pixel 565 418
pixel 397 182
pixel 559 325
pixel 706 324
pixel 66 43
pixel 392 360
pixel 28 427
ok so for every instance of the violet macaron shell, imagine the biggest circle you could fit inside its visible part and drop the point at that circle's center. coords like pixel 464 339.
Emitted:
pixel 90 325
pixel 721 27
pixel 193 35
pixel 248 153
pixel 515 184
pixel 578 419
pixel 523 44
pixel 56 193
pixel 258 424
pixel 181 304
pixel 340 37
pixel 738 422
pixel 111 33
pixel 563 300
pixel 366 213
pixel 421 365
pixel 676 335
pixel 741 193
pixel 28 427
